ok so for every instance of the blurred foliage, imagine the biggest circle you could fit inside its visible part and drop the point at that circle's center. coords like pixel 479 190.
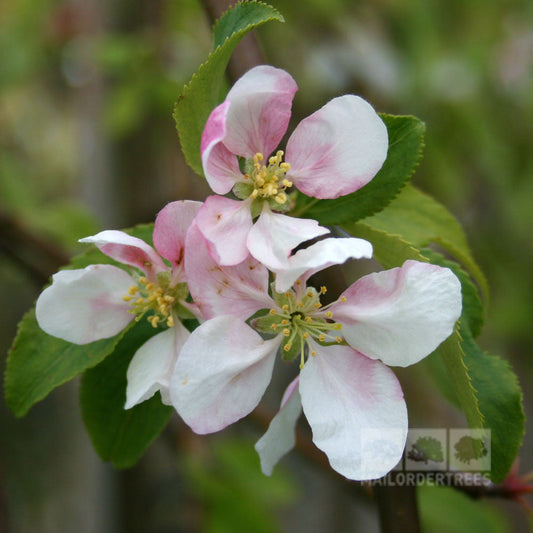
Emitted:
pixel 87 87
pixel 234 493
pixel 445 510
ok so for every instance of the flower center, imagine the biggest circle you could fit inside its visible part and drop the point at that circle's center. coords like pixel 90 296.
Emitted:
pixel 158 298
pixel 269 181
pixel 301 317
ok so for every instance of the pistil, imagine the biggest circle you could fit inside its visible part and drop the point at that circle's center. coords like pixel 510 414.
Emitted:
pixel 300 318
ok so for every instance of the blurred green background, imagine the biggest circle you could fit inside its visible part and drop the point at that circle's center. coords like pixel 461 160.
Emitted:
pixel 87 141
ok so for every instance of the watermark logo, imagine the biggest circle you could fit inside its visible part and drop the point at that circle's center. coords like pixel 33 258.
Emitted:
pixel 437 456
pixel 469 450
pixel 426 450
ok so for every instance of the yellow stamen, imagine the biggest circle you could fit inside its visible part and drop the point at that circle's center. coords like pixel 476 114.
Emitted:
pixel 269 181
pixel 153 320
pixel 151 297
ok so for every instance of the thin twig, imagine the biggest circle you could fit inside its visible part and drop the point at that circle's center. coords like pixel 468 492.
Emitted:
pixel 36 255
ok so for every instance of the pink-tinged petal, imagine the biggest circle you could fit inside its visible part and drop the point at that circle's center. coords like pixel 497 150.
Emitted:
pixel 129 250
pixel 238 290
pixel 152 365
pixel 356 410
pixel 170 229
pixel 83 306
pixel 221 374
pixel 225 223
pixel 280 437
pixel 337 149
pixel 331 251
pixel 274 236
pixel 221 167
pixel 259 111
pixel 401 315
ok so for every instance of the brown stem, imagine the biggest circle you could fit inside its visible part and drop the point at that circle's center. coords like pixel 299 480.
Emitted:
pixel 4 518
pixel 37 256
pixel 398 509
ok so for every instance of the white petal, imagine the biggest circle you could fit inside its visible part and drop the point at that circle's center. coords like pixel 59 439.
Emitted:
pixel 274 236
pixel 238 290
pixel 280 436
pixel 259 111
pixel 152 365
pixel 129 250
pixel 401 315
pixel 170 228
pixel 356 410
pixel 225 223
pixel 331 251
pixel 221 374
pixel 337 149
pixel 86 305
pixel 221 167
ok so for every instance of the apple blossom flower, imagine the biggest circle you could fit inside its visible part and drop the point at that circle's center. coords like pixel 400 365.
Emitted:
pixel 333 152
pixel 352 400
pixel 99 301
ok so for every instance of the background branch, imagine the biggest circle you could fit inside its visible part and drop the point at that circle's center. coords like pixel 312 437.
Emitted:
pixel 36 255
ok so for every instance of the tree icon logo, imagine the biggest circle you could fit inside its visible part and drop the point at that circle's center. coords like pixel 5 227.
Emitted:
pixel 468 449
pixel 426 449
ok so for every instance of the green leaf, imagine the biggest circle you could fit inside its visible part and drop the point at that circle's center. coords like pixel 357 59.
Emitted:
pixel 447 510
pixel 388 249
pixel 119 435
pixel 202 94
pixel 421 220
pixel 392 251
pixel 406 141
pixel 453 357
pixel 38 363
pixel 486 388
pixel 500 401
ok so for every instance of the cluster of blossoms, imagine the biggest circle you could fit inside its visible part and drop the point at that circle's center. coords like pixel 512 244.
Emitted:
pixel 231 264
